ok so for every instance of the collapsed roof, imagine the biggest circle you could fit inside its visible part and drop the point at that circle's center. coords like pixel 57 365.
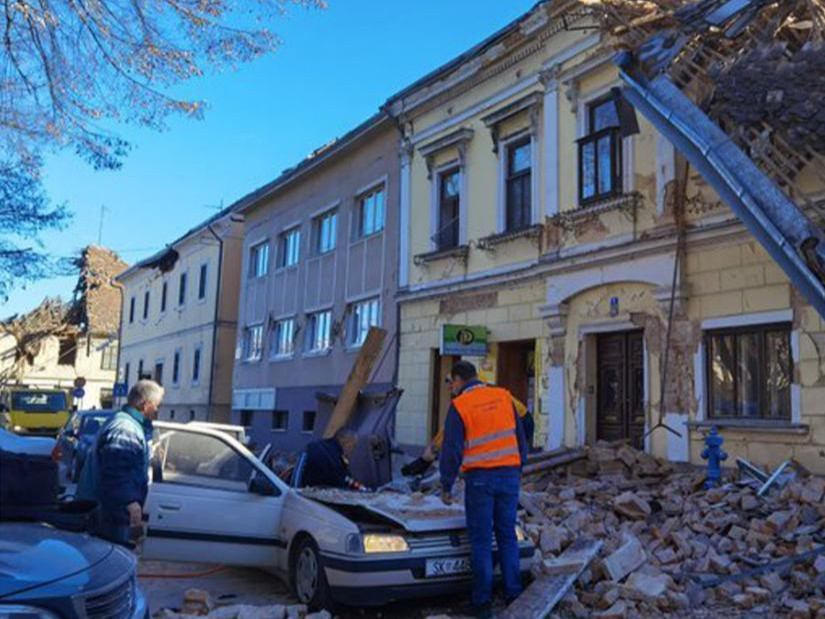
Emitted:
pixel 736 86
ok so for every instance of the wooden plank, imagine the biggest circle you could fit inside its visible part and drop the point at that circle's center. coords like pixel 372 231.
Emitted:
pixel 569 456
pixel 539 599
pixel 528 502
pixel 358 377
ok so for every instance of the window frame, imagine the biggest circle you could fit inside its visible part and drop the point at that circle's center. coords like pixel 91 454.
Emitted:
pixel 146 300
pixel 132 309
pixel 176 366
pixel 354 339
pixel 203 274
pixel 183 282
pixel 360 219
pixel 257 267
pixel 164 293
pixel 589 136
pixel 280 414
pixel 525 177
pixel 311 334
pixel 318 228
pixel 440 175
pixel 248 330
pixel 283 242
pixel 275 341
pixel 196 364
pixel 109 352
pixel 304 421
pixel 761 329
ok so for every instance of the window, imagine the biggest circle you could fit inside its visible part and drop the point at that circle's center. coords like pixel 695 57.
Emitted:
pixel 176 368
pixel 447 234
pixel 159 373
pixel 246 418
pixel 66 352
pixel 283 338
pixel 140 375
pixel 196 366
pixel 191 415
pixel 163 291
pixel 365 314
pixel 108 357
pixel 308 424
pixel 371 212
pixel 253 342
pixel 319 333
pixel 201 460
pixel 126 371
pixel 519 211
pixel 182 289
pixel 131 310
pixel 289 248
pixel 172 414
pixel 600 153
pixel 280 420
pixel 325 230
pixel 749 372
pixel 202 283
pixel 259 259
pixel 145 305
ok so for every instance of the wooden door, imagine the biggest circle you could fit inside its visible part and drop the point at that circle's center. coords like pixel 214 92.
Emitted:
pixel 513 368
pixel 620 387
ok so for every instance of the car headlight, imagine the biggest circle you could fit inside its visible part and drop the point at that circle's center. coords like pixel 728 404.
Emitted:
pixel 18 429
pixel 18 611
pixel 380 542
pixel 521 536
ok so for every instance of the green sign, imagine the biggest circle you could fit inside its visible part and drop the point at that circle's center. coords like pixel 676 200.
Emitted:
pixel 463 340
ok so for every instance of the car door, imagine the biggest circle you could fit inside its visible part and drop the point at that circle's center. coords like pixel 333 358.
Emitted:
pixel 202 506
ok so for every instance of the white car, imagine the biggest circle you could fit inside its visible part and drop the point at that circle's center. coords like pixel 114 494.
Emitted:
pixel 213 501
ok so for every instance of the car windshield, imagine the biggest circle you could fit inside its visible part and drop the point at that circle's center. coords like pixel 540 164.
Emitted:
pixel 39 401
pixel 92 423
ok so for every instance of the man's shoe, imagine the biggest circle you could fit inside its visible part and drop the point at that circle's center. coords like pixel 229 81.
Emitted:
pixel 485 611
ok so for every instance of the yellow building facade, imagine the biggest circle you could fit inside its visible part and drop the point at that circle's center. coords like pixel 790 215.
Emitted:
pixel 527 211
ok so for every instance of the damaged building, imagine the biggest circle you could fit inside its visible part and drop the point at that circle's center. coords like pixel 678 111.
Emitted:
pixel 625 288
pixel 59 342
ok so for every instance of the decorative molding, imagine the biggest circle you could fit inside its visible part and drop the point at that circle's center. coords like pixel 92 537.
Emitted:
pixel 458 139
pixel 531 102
pixel 460 252
pixel 488 243
pixel 556 316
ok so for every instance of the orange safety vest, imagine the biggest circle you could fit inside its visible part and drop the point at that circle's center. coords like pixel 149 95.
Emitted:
pixel 489 428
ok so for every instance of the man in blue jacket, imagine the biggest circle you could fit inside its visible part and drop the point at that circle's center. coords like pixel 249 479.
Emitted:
pixel 484 439
pixel 326 462
pixel 116 471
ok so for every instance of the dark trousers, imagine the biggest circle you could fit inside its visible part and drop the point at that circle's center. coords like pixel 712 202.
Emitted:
pixel 491 501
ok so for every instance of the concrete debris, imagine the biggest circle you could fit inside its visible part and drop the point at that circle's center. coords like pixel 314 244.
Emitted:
pixel 196 600
pixel 671 547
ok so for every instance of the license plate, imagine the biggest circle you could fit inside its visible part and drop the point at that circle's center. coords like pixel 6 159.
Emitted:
pixel 447 567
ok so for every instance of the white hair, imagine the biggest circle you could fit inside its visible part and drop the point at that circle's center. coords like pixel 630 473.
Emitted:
pixel 145 391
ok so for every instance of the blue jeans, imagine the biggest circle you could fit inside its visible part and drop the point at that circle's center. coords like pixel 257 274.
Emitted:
pixel 491 501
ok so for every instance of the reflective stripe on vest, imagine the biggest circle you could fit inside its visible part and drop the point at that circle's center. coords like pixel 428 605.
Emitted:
pixel 489 428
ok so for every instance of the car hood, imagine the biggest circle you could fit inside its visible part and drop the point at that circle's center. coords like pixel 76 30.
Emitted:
pixel 32 555
pixel 414 512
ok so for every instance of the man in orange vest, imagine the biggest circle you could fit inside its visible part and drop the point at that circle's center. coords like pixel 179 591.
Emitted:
pixel 484 438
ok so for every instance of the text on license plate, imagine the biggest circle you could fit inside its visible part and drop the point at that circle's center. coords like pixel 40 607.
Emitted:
pixel 447 567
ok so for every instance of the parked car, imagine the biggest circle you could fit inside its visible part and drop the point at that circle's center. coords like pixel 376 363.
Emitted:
pixel 33 445
pixel 33 410
pixel 330 545
pixel 76 438
pixel 49 573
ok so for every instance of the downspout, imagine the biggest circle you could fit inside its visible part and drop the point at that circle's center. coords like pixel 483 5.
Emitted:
pixel 214 322
pixel 396 368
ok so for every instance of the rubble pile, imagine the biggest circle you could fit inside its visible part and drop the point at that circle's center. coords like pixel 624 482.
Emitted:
pixel 198 604
pixel 673 548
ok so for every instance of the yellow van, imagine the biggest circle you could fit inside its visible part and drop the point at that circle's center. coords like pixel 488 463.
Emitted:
pixel 32 410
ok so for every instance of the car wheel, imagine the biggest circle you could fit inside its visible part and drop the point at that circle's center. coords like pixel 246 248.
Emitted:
pixel 308 578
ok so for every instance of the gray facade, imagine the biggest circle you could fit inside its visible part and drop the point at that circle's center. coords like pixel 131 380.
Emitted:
pixel 320 259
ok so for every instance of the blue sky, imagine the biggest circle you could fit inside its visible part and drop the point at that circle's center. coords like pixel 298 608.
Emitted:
pixel 334 69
